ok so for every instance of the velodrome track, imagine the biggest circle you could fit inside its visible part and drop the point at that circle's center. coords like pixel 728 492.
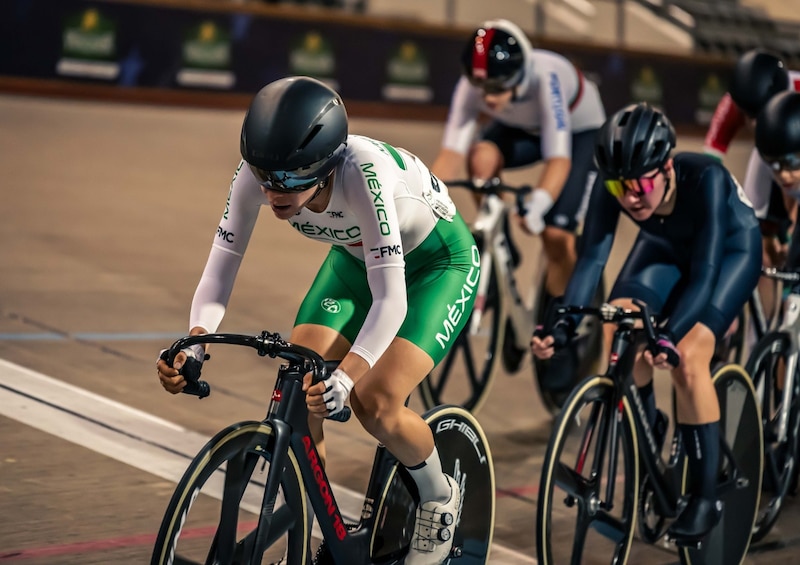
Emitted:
pixel 108 212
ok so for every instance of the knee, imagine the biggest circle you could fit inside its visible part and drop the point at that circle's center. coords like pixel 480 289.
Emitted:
pixel 485 159
pixel 692 371
pixel 373 410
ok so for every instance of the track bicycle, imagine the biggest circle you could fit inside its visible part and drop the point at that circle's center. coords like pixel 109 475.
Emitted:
pixel 272 483
pixel 502 322
pixel 773 366
pixel 603 466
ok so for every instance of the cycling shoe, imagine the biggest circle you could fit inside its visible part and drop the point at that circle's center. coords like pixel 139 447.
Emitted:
pixel 696 521
pixel 433 530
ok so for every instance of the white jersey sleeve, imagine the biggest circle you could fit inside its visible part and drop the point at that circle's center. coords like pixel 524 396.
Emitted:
pixel 556 127
pixel 230 242
pixel 371 181
pixel 462 119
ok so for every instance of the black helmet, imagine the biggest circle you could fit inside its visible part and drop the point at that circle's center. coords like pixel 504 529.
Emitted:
pixel 757 77
pixel 493 58
pixel 778 131
pixel 294 133
pixel 634 141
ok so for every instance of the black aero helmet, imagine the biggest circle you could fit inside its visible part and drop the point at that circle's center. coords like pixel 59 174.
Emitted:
pixel 634 141
pixel 757 77
pixel 294 133
pixel 493 58
pixel 778 131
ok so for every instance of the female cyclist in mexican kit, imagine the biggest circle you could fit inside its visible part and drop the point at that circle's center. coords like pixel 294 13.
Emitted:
pixel 391 296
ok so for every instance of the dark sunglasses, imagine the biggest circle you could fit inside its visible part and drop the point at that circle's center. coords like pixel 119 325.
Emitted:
pixel 639 186
pixel 296 180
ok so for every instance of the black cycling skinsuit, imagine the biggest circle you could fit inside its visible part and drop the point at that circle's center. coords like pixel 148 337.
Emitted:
pixel 700 263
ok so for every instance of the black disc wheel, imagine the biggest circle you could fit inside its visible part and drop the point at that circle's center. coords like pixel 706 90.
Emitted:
pixel 739 475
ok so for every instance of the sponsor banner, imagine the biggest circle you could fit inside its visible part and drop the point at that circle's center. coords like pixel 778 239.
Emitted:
pixel 145 45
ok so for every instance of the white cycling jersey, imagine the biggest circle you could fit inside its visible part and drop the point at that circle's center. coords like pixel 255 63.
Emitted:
pixel 384 203
pixel 554 100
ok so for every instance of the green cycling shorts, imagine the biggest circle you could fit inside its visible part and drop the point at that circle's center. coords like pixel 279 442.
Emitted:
pixel 441 280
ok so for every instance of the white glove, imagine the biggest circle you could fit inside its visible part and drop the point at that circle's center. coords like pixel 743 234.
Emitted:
pixel 538 204
pixel 339 387
pixel 196 352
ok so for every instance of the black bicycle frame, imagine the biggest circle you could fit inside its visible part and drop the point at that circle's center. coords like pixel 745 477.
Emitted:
pixel 665 477
pixel 287 416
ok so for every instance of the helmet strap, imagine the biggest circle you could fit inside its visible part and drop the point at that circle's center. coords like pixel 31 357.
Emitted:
pixel 668 206
pixel 323 184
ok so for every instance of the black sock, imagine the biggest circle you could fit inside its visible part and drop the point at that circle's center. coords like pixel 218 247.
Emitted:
pixel 649 401
pixel 701 443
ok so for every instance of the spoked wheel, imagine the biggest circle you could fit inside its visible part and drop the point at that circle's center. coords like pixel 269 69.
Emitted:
pixel 767 367
pixel 464 451
pixel 213 513
pixel 740 425
pixel 464 376
pixel 581 356
pixel 576 522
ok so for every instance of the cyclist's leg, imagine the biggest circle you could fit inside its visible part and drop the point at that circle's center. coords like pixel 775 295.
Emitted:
pixel 331 315
pixel 563 219
pixel 501 147
pixel 698 406
pixel 439 281
pixel 698 422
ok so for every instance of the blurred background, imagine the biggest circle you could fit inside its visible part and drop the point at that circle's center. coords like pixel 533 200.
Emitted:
pixel 385 57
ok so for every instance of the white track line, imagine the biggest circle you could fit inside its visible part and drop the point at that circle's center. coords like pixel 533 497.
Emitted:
pixel 132 436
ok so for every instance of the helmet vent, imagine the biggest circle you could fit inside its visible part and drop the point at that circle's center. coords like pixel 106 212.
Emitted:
pixel 310 137
pixel 617 155
pixel 637 152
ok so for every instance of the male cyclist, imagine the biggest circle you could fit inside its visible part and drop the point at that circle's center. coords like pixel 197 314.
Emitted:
pixel 542 109
pixel 757 76
pixel 695 261
pixel 402 267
